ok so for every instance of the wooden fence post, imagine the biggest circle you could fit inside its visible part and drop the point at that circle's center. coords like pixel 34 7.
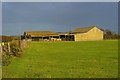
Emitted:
pixel 9 47
pixel 0 48
pixel 20 44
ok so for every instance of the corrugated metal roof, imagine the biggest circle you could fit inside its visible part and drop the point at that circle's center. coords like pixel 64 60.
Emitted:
pixel 40 33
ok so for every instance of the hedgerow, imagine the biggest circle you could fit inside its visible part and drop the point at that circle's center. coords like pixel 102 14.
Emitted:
pixel 10 50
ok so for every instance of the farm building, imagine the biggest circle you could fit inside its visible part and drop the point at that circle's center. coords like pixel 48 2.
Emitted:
pixel 79 34
pixel 88 33
pixel 48 36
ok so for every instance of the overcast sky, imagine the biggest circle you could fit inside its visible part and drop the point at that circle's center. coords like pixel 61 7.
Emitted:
pixel 18 17
pixel 60 0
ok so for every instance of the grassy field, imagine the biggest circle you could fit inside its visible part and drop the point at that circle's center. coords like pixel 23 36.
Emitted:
pixel 87 59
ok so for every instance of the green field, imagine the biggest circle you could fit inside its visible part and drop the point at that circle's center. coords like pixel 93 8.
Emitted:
pixel 85 59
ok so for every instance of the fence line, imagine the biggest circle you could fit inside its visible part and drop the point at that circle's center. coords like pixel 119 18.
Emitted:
pixel 10 49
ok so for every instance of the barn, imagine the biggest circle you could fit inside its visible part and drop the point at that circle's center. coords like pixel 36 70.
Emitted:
pixel 79 34
pixel 40 35
pixel 87 34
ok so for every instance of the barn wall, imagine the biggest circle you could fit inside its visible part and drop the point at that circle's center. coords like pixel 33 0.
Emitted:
pixel 93 34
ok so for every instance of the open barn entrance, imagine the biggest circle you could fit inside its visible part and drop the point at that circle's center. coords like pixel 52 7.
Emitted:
pixel 67 37
pixel 36 38
pixel 40 38
pixel 54 38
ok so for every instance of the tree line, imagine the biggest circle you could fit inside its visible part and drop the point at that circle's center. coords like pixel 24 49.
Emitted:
pixel 108 34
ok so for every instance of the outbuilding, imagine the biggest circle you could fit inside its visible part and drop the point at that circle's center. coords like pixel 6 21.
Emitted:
pixel 79 34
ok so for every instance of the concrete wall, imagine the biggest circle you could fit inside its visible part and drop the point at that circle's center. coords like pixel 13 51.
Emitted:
pixel 93 34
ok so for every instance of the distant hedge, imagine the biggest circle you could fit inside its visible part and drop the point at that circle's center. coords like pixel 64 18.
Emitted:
pixel 108 34
pixel 9 38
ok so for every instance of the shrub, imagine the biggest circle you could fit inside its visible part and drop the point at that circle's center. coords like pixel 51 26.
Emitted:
pixel 10 50
pixel 6 59
pixel 15 49
pixel 6 56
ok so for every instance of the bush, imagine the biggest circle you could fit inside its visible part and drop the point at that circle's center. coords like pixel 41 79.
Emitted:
pixel 6 56
pixel 10 50
pixel 6 59
pixel 15 49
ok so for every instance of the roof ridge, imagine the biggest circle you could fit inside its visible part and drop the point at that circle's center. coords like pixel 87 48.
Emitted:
pixel 87 27
pixel 38 31
pixel 83 29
